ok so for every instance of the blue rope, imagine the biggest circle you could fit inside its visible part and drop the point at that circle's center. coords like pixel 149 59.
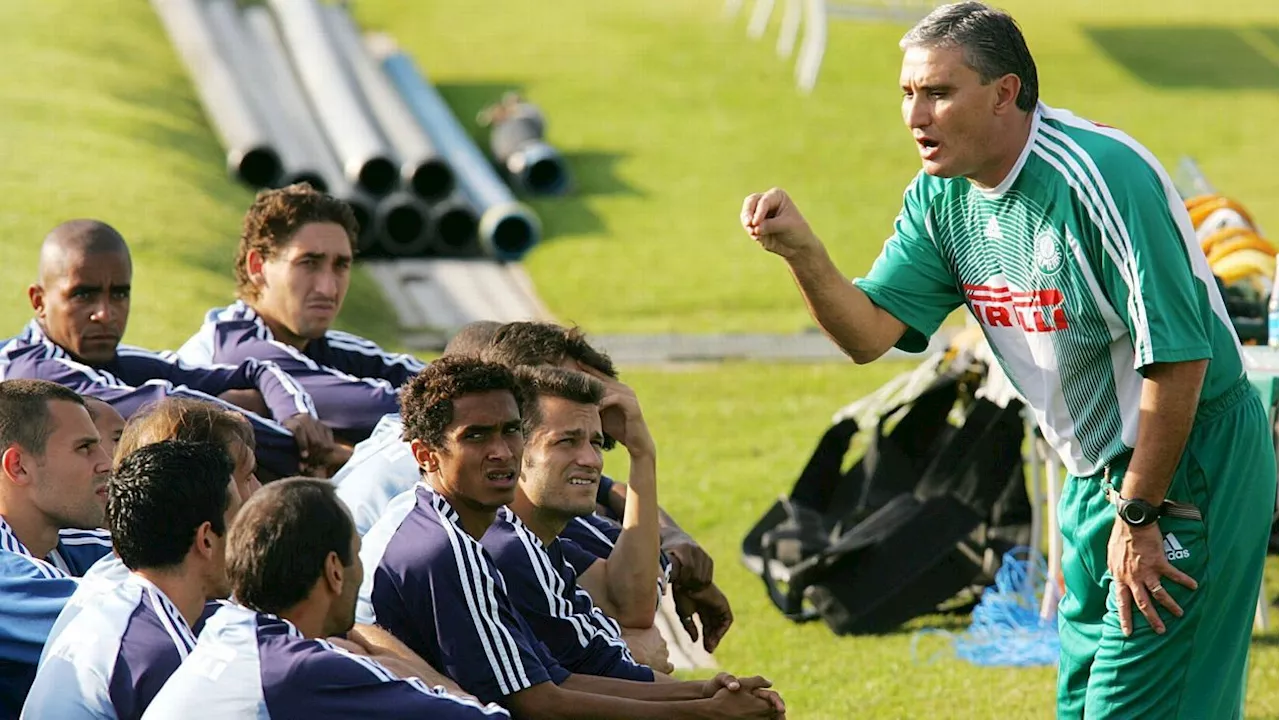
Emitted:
pixel 1006 628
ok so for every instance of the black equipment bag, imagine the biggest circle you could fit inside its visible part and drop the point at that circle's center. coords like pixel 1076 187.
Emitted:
pixel 891 464
pixel 909 554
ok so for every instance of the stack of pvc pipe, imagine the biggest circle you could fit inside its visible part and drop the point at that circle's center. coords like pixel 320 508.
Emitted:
pixel 295 94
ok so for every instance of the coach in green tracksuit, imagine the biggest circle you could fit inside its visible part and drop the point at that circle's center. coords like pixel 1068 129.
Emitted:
pixel 1069 244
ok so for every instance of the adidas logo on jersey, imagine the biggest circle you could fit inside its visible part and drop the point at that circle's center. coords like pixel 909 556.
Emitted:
pixel 1173 549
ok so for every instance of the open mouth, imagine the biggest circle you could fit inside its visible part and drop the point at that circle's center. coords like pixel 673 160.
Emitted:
pixel 501 478
pixel 583 481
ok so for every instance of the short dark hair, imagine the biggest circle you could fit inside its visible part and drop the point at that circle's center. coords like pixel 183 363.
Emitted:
pixel 25 419
pixel 161 494
pixel 473 338
pixel 280 539
pixel 542 343
pixel 547 381
pixel 276 215
pixel 992 42
pixel 426 401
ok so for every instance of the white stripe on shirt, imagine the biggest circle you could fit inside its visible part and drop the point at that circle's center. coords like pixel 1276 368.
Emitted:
pixel 499 647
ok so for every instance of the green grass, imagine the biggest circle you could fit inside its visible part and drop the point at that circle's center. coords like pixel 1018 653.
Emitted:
pixel 723 460
pixel 669 117
pixel 99 120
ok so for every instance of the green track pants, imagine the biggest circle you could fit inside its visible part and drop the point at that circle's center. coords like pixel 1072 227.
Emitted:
pixel 1197 668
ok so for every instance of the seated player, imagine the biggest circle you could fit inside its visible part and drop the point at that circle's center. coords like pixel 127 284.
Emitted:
pixel 81 304
pixel 292 271
pixel 563 457
pixel 691 573
pixel 294 564
pixel 382 466
pixel 116 643
pixel 198 421
pixel 53 478
pixel 187 420
pixel 433 585
pixel 109 423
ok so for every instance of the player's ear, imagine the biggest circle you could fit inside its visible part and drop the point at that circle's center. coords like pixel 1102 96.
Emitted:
pixel 35 294
pixel 333 573
pixel 426 458
pixel 253 262
pixel 204 540
pixel 12 461
pixel 1007 89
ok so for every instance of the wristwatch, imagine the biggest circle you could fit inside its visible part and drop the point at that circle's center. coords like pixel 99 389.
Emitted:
pixel 1137 513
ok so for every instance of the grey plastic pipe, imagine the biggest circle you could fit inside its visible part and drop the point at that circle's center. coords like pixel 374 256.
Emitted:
pixel 250 156
pixel 421 166
pixel 516 139
pixel 364 156
pixel 241 53
pixel 296 111
pixel 508 229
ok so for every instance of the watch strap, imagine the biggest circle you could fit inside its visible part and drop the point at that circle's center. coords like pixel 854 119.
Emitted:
pixel 1168 508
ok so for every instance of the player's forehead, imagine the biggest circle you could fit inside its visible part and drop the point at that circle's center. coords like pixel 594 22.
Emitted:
pixel 563 416
pixel 935 65
pixel 70 423
pixel 93 270
pixel 317 239
pixel 487 409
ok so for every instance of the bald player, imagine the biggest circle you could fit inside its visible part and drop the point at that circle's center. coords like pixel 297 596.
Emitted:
pixel 81 304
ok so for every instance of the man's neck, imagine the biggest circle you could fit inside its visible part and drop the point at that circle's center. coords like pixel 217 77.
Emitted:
pixel 308 616
pixel 1013 141
pixel 182 586
pixel 32 528
pixel 547 525
pixel 280 332
pixel 475 519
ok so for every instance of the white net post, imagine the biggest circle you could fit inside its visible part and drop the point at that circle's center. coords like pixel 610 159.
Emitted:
pixel 760 15
pixel 792 13
pixel 813 46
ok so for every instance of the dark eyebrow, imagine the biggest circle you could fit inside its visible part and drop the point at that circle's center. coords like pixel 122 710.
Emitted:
pixel 85 289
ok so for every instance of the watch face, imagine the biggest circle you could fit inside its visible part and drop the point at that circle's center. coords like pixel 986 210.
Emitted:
pixel 1134 513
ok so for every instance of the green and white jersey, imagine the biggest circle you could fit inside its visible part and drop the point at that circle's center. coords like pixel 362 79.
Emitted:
pixel 1082 268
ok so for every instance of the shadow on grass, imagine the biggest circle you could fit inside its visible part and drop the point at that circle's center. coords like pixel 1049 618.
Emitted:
pixel 1206 57
pixel 593 172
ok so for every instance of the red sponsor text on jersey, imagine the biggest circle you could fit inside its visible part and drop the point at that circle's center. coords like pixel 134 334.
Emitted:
pixel 1032 310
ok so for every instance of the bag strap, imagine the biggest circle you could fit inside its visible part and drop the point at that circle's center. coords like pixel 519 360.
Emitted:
pixel 791 602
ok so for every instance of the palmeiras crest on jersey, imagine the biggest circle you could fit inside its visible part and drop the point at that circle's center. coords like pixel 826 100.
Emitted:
pixel 1048 252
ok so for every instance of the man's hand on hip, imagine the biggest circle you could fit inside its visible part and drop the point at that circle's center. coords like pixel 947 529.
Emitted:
pixel 1135 556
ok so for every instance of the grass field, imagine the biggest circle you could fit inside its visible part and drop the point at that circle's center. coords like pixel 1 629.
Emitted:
pixel 669 116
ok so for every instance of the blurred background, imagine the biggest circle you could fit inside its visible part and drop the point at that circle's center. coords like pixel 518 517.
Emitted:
pixel 664 114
